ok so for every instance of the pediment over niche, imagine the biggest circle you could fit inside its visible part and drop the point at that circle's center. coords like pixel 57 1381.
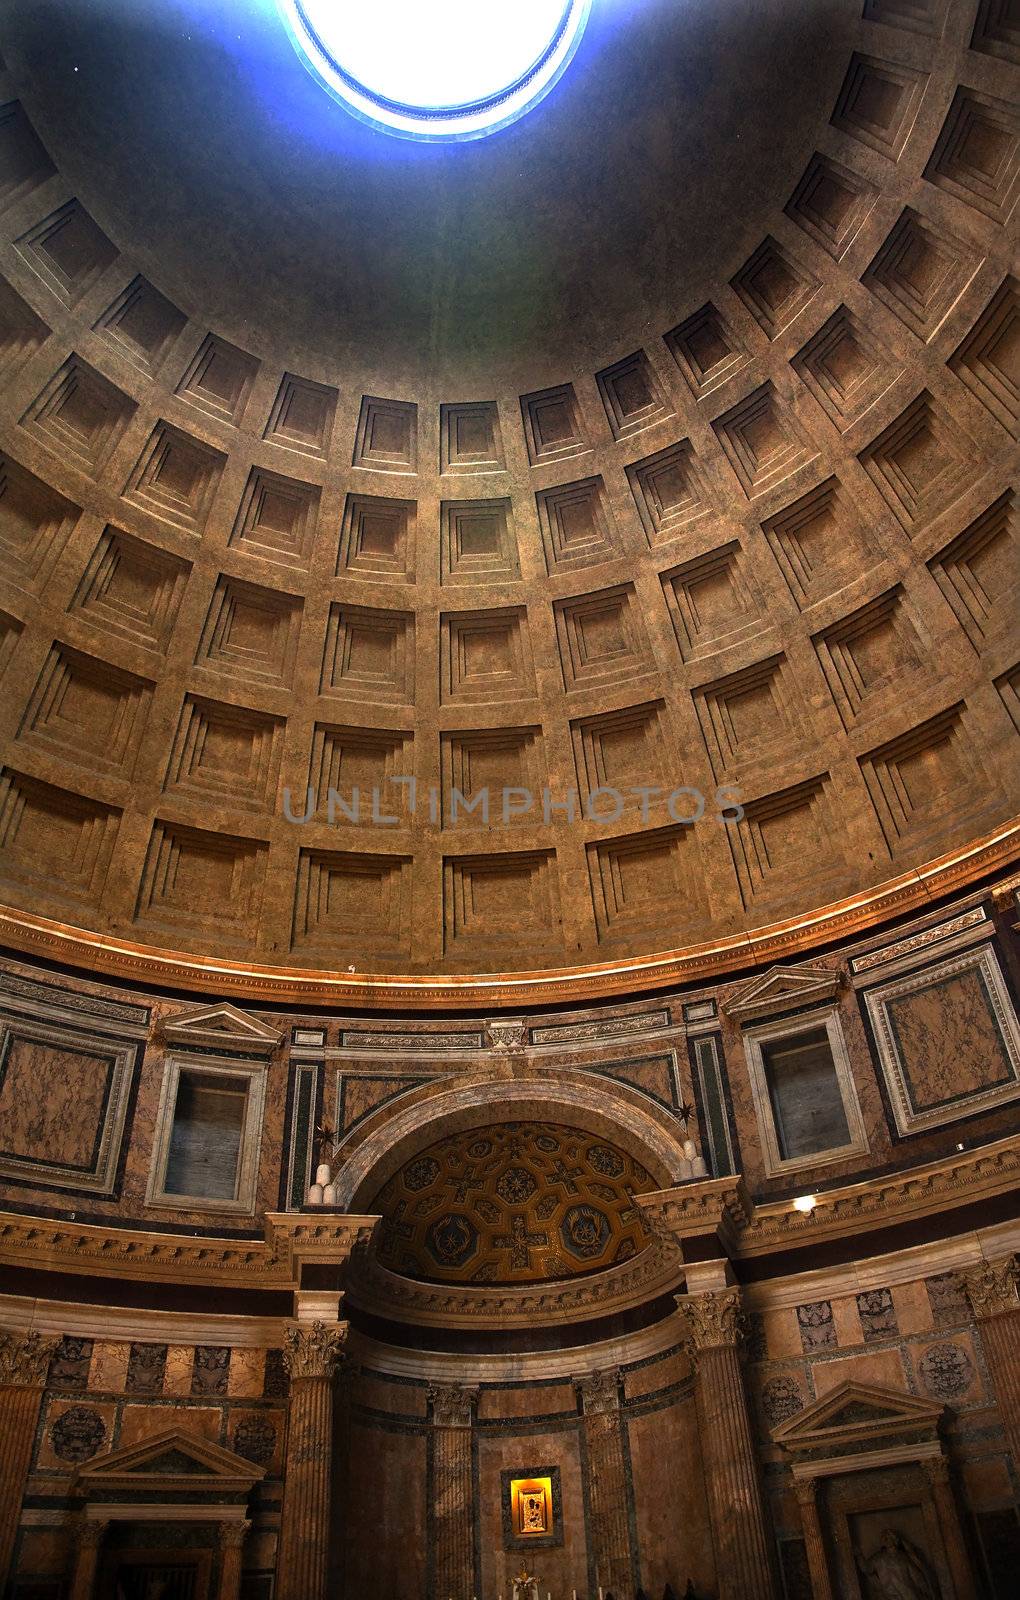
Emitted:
pixel 781 988
pixel 170 1462
pixel 858 1416
pixel 221 1025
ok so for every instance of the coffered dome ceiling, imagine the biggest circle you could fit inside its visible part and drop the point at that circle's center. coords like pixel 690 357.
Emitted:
pixel 516 1203
pixel 663 441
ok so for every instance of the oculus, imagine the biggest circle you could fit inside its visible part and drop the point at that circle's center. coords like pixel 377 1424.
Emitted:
pixel 437 69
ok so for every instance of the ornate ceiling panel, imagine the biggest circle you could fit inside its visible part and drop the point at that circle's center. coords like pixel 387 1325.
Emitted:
pixel 518 1203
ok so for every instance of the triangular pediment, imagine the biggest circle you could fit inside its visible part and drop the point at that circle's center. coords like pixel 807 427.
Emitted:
pixel 855 1415
pixel 220 1025
pixel 171 1459
pixel 783 987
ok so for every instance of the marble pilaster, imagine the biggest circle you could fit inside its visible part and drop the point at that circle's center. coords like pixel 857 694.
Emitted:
pixel 740 1532
pixel 599 1393
pixel 453 1548
pixel 24 1363
pixel 992 1291
pixel 312 1355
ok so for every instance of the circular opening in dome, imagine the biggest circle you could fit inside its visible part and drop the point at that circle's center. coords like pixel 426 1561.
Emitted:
pixel 437 69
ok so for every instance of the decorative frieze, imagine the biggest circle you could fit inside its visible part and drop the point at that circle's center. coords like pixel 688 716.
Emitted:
pixel 25 1359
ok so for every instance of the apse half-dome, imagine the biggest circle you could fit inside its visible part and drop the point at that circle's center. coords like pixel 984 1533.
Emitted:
pixel 518 1202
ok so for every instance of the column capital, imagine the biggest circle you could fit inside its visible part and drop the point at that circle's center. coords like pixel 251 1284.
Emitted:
pixel 25 1359
pixel 233 1534
pixel 711 1320
pixel 599 1392
pixel 992 1287
pixel 935 1469
pixel 90 1532
pixel 806 1491
pixel 314 1351
pixel 452 1404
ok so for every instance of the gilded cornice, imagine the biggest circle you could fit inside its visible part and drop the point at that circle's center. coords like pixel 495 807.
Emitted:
pixel 992 1287
pixel 723 1205
pixel 720 1205
pixel 269 1263
pixel 777 942
pixel 315 1351
pixel 24 1359
pixel 377 1290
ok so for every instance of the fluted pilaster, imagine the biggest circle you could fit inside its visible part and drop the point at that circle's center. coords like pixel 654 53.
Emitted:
pixel 89 1536
pixel 607 1481
pixel 312 1357
pixel 232 1537
pixel 743 1545
pixel 24 1363
pixel 453 1564
pixel 992 1291
pixel 936 1469
pixel 806 1490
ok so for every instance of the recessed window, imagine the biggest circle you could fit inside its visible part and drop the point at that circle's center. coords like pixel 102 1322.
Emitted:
pixel 807 1106
pixel 437 69
pixel 804 1092
pixel 205 1140
pixel 205 1152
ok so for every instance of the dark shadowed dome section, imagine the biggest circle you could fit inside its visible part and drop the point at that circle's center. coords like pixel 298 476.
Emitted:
pixel 520 1202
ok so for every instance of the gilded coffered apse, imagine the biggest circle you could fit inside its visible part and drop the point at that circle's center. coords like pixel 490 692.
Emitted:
pixel 515 1203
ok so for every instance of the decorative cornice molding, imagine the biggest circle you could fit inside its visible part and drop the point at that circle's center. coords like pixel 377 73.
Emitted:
pixel 25 1359
pixel 923 940
pixel 298 1236
pixel 720 1205
pixel 375 1289
pixel 315 1351
pixel 955 1180
pixel 148 965
pixel 711 1320
pixel 992 1287
pixel 452 1404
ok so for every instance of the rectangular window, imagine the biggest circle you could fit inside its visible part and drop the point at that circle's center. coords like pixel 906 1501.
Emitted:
pixel 208 1131
pixel 205 1140
pixel 804 1092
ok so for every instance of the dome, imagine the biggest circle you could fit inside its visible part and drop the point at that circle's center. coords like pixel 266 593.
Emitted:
pixel 579 553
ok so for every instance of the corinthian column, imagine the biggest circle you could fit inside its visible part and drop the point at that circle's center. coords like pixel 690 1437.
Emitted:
pixel 607 1482
pixel 24 1363
pixel 312 1357
pixel 452 1519
pixel 743 1547
pixel 992 1291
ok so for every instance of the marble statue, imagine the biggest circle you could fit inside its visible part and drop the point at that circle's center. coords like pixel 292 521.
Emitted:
pixel 896 1571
